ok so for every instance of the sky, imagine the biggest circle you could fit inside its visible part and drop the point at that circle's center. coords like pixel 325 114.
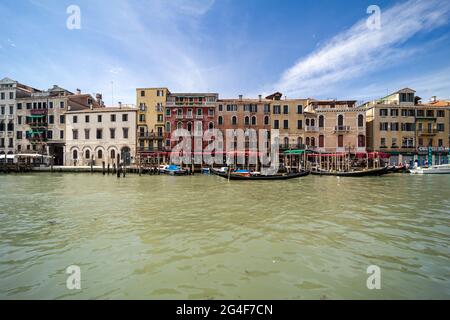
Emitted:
pixel 302 48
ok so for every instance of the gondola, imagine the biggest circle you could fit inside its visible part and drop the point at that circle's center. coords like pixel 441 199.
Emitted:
pixel 361 173
pixel 234 176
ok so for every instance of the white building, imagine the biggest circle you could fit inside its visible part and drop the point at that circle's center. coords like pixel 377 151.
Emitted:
pixel 100 135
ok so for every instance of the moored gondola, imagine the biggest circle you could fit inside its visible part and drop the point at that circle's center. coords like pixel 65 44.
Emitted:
pixel 240 176
pixel 359 173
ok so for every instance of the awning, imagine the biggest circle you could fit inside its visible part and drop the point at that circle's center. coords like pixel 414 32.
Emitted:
pixel 36 116
pixel 293 152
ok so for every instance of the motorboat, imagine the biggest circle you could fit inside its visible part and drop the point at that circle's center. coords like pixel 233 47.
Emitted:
pixel 436 169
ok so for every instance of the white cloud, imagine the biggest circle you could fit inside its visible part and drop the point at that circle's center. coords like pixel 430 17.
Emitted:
pixel 359 50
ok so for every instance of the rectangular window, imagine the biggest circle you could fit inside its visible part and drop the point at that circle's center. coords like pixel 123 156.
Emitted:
pixel 99 134
pixel 86 119
pixel 267 108
pixel 62 119
pixel 19 106
pixel 394 112
pixel 340 141
pixel 394 126
pixel 440 127
pixel 50 104
pixel 124 117
pixel 160 118
pixel 86 134
pixel 61 105
pixel 99 118
pixel 19 120
pixel 125 133
pixel 112 133
pixel 300 109
pixel 383 112
pixel 299 124
pixel 142 118
pixel 440 113
pixel 11 109
pixel 11 95
pixel 61 134
pixel 142 93
pixel 50 134
pixel 285 109
pixel 276 124
pixel 19 135
pixel 75 119
pixel 383 142
pixel 286 124
pixel 2 96
pixel 220 107
pixel 75 134
pixel 276 109
pixel 383 126
pixel 29 106
pixel 51 119
pixel 113 118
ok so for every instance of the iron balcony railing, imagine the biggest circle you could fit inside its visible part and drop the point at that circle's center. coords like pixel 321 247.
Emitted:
pixel 342 128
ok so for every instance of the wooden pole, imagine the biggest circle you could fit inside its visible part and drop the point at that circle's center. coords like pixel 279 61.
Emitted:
pixel 103 167
pixel 108 169
pixel 92 164
pixel 118 167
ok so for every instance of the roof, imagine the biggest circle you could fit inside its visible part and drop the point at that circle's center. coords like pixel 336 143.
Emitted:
pixel 273 95
pixel 193 94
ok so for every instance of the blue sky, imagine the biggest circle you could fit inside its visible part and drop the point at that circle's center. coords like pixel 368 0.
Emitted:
pixel 319 49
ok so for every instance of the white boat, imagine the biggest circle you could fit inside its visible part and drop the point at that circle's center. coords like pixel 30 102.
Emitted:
pixel 437 169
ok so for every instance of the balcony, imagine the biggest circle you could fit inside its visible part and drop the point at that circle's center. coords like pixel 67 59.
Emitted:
pixel 428 132
pixel 199 117
pixel 189 116
pixel 159 109
pixel 179 116
pixel 341 129
pixel 150 136
pixel 311 129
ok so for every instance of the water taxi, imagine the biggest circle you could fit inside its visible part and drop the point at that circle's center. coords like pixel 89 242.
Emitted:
pixel 437 169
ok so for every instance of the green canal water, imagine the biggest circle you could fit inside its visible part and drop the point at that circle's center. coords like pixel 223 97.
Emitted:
pixel 202 237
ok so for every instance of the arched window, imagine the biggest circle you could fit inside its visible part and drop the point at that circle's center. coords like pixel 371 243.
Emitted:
pixel 254 121
pixel 313 122
pixel 100 154
pixel 233 120
pixel 340 120
pixel 286 141
pixel 299 141
pixel 87 154
pixel 113 154
pixel 220 120
pixel 167 126
pixel 321 141
pixel 321 122
pixel 75 154
pixel 179 125
pixel 361 141
pixel 266 120
pixel 211 125
pixel 189 126
pixel 360 121
pixel 247 121
pixel 307 141
pixel 199 112
pixel 313 141
pixel 307 122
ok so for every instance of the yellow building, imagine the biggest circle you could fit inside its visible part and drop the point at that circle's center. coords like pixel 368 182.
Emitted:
pixel 400 125
pixel 289 117
pixel 151 103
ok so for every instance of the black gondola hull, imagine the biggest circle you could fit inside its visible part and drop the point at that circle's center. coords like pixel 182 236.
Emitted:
pixel 362 173
pixel 274 177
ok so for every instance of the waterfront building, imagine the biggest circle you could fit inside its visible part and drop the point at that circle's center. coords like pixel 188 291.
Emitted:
pixel 10 91
pixel 184 110
pixel 407 129
pixel 97 135
pixel 297 127
pixel 41 124
pixel 340 126
pixel 151 103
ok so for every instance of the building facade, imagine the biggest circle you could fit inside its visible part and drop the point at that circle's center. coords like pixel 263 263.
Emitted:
pixel 10 91
pixel 98 135
pixel 400 125
pixel 340 126
pixel 151 136
pixel 185 110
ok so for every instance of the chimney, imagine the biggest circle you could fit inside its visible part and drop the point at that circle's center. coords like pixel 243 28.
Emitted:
pixel 260 98
pixel 240 97
pixel 78 91
pixel 120 105
pixel 433 98
pixel 69 108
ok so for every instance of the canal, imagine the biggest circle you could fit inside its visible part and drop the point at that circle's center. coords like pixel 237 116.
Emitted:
pixel 202 237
